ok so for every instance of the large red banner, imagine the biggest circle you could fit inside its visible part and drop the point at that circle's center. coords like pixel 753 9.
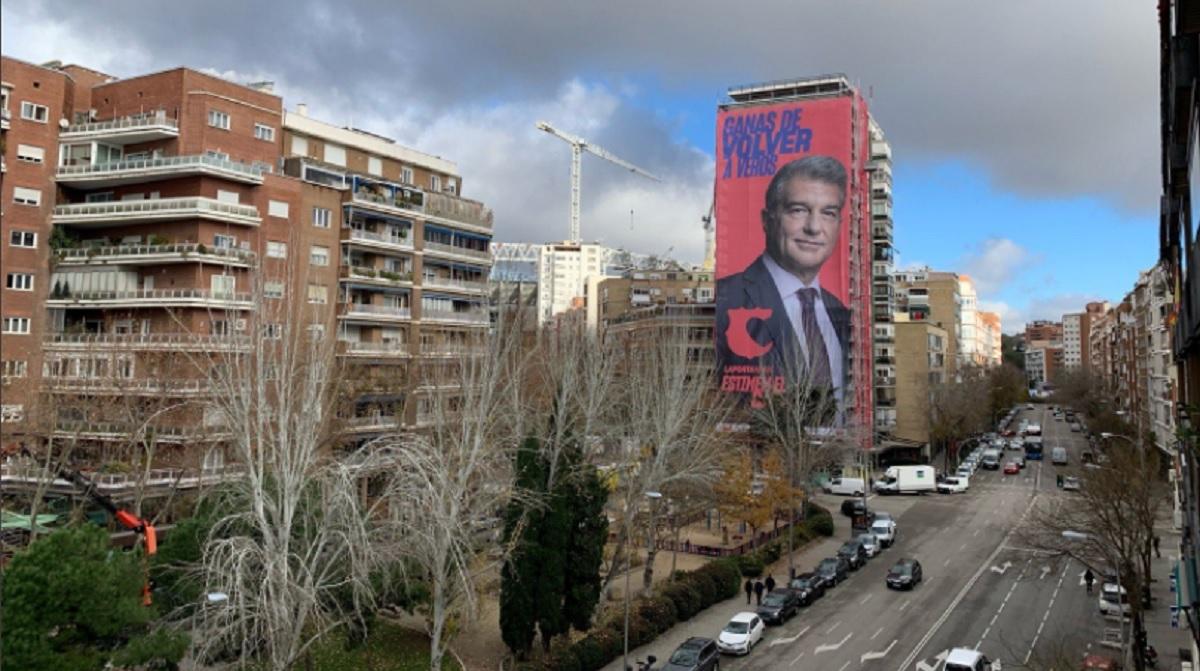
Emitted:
pixel 787 205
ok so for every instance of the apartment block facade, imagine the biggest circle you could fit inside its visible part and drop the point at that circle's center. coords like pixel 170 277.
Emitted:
pixel 923 360
pixel 176 215
pixel 990 341
pixel 933 297
pixel 883 302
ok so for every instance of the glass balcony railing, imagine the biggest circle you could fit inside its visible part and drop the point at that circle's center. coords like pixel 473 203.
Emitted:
pixel 371 236
pixel 455 249
pixel 83 255
pixel 166 164
pixel 152 296
pixel 197 341
pixel 378 310
pixel 458 209
pixel 157 208
pixel 154 120
pixel 468 316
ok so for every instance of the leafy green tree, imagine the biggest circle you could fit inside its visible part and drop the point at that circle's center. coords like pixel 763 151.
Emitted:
pixel 73 602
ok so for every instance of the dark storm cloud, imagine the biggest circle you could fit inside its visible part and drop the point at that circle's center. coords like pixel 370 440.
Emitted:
pixel 1052 99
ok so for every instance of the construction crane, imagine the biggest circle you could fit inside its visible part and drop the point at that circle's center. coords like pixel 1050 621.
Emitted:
pixel 710 241
pixel 578 146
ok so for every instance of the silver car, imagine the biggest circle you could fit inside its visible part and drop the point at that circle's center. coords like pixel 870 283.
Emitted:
pixel 870 544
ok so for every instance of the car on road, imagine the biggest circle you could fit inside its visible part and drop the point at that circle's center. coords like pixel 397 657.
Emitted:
pixel 952 485
pixel 695 654
pixel 964 472
pixel 1019 460
pixel 856 508
pixel 1011 468
pixel 846 486
pixel 808 587
pixel 1071 483
pixel 1113 599
pixel 1076 427
pixel 833 569
pixel 854 554
pixel 870 544
pixel 1100 663
pixel 966 659
pixel 742 633
pixel 1058 456
pixel 904 574
pixel 778 606
pixel 1029 406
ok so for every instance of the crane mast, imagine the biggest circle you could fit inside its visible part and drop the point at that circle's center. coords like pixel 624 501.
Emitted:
pixel 578 146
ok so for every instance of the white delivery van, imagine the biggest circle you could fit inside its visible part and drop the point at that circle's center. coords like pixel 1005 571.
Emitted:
pixel 990 460
pixel 1058 456
pixel 907 480
pixel 846 486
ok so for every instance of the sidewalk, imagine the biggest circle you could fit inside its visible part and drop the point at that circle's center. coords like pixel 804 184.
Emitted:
pixel 1166 639
pixel 710 621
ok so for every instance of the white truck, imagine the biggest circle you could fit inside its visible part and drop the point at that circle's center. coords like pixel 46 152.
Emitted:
pixel 907 480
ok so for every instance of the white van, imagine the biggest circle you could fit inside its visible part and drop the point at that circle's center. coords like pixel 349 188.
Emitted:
pixel 846 486
pixel 1058 456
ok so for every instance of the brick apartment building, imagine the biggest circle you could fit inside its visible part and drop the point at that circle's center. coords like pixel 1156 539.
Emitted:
pixel 151 221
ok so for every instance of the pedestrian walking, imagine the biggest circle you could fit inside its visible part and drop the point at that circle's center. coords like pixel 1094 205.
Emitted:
pixel 749 590
pixel 770 583
pixel 1088 579
pixel 1156 552
pixel 758 590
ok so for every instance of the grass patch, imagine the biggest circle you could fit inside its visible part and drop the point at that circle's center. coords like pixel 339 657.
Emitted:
pixel 390 648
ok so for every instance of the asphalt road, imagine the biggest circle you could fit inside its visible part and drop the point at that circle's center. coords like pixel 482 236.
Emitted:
pixel 981 589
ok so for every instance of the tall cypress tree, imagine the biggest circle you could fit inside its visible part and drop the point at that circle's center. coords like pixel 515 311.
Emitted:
pixel 519 576
pixel 585 553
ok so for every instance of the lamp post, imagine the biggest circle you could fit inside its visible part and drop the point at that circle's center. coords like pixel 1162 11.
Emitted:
pixel 653 496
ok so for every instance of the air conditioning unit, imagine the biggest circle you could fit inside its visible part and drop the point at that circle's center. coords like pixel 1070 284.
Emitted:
pixel 240 325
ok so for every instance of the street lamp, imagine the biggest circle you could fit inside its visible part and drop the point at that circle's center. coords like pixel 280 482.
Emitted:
pixel 653 496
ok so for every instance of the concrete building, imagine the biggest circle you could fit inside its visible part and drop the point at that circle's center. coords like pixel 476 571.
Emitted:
pixel 1041 330
pixel 1073 339
pixel 922 360
pixel 155 220
pixel 971 350
pixel 934 297
pixel 882 294
pixel 990 337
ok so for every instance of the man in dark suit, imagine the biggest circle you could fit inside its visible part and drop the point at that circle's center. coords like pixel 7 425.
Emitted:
pixel 775 314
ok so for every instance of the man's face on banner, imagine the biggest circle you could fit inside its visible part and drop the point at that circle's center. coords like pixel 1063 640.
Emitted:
pixel 803 231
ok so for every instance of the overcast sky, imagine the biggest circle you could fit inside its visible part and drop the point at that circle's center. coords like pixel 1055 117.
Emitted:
pixel 1025 134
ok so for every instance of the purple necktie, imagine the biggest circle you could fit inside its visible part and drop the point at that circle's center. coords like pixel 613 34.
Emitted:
pixel 818 356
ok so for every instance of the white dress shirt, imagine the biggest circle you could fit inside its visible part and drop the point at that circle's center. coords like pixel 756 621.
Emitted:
pixel 788 286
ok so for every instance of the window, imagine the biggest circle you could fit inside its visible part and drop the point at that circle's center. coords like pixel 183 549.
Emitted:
pixel 273 331
pixel 374 165
pixel 34 112
pixel 452 187
pixel 300 146
pixel 406 175
pixel 276 250
pixel 317 294
pixel 219 327
pixel 319 256
pixel 277 208
pixel 223 285
pixel 218 119
pixel 316 331
pixel 264 132
pixel 231 197
pixel 224 241
pixel 218 155
pixel 23 196
pixel 30 154
pixel 99 197
pixel 23 239
pixel 273 289
pixel 19 282
pixel 435 182
pixel 16 368
pixel 12 412
pixel 322 217
pixel 16 325
pixel 335 154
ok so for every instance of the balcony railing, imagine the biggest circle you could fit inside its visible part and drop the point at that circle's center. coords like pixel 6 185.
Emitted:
pixel 173 341
pixel 454 283
pixel 116 212
pixel 372 423
pixel 161 166
pixel 116 431
pixel 27 473
pixel 388 348
pixel 153 296
pixel 398 202
pixel 139 386
pixel 378 274
pixel 471 317
pixel 371 236
pixel 144 253
pixel 378 310
pixel 454 249
pixel 458 209
pixel 154 121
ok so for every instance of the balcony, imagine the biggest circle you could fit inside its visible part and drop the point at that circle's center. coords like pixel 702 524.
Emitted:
pixel 451 351
pixel 371 312
pixel 454 284
pixel 30 476
pixel 184 252
pixel 159 209
pixel 472 255
pixel 375 276
pixel 881 151
pixel 5 117
pixel 471 317
pixel 126 130
pixel 457 211
pixel 154 298
pixel 103 175
pixel 885 359
pixel 111 431
pixel 180 342
pixel 140 387
pixel 379 240
pixel 356 348
pixel 388 198
pixel 881 189
pixel 372 423
pixel 885 423
pixel 882 233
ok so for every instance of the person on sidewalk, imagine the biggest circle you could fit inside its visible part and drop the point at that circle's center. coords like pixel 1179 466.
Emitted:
pixel 770 583
pixel 1156 552
pixel 758 590
pixel 749 590
pixel 1089 578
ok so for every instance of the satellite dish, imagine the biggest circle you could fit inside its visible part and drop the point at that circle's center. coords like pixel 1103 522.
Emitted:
pixel 63 124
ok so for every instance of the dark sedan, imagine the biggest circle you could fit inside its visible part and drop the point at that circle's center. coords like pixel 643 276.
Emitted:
pixel 833 570
pixel 854 554
pixel 778 606
pixel 905 574
pixel 808 587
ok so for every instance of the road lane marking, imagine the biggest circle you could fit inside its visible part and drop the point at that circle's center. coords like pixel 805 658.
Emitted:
pixel 835 626
pixel 1045 616
pixel 877 633
pixel 904 605
pixel 782 641
pixel 876 655
pixel 976 532
pixel 937 661
pixel 963 548
pixel 844 666
pixel 866 598
pixel 826 647
pixel 946 563
pixel 797 658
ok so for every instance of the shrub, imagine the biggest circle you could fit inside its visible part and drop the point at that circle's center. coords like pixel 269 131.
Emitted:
pixel 726 576
pixel 751 565
pixel 699 581
pixel 660 610
pixel 685 597
pixel 770 552
pixel 566 659
pixel 822 525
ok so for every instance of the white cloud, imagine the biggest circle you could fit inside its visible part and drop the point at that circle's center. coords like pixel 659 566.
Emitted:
pixel 995 263
pixel 1052 308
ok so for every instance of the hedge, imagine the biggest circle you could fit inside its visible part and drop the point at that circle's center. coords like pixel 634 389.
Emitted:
pixel 676 601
